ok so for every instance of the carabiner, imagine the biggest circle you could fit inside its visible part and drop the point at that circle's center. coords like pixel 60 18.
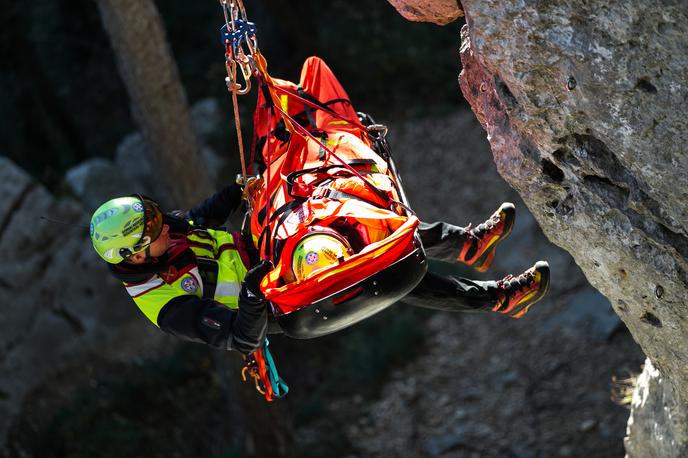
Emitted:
pixel 232 81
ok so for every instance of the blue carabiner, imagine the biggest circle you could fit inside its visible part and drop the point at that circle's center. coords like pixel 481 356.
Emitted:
pixel 244 31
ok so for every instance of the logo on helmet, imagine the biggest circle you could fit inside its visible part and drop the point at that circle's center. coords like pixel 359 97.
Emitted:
pixel 137 207
pixel 311 257
pixel 132 225
pixel 105 215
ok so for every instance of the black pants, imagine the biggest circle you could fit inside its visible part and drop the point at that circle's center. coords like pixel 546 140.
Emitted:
pixel 442 241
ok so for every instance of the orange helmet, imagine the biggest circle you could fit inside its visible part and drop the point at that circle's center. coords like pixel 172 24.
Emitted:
pixel 320 248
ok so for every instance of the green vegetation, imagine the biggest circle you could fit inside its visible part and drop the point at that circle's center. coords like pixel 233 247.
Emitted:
pixel 622 389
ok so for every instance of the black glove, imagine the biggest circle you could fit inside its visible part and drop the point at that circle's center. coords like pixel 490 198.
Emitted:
pixel 254 276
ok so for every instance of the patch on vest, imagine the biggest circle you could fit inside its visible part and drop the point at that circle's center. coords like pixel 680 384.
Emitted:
pixel 189 284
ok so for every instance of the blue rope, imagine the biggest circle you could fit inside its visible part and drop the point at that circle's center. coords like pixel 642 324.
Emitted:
pixel 278 386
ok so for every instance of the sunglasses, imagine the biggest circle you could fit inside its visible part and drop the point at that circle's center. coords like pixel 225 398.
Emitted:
pixel 152 226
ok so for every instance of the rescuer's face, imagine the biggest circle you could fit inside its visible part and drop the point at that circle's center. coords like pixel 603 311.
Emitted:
pixel 157 248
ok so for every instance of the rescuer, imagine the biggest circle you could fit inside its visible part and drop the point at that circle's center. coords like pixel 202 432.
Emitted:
pixel 200 282
pixel 189 279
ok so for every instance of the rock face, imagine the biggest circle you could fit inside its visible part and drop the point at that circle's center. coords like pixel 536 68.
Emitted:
pixel 584 105
pixel 52 291
pixel 96 180
pixel 438 11
pixel 658 419
pixel 62 312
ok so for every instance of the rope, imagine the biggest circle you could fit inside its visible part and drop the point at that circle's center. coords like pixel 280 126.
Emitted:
pixel 237 125
pixel 231 11
pixel 279 387
pixel 233 55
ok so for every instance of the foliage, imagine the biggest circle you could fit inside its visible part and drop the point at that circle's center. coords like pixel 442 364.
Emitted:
pixel 156 407
pixel 622 389
pixel 59 91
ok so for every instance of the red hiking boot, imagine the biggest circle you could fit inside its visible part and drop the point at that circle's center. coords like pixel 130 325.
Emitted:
pixel 479 249
pixel 517 294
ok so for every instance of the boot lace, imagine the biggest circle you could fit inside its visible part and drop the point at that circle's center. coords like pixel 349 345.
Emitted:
pixel 477 233
pixel 511 284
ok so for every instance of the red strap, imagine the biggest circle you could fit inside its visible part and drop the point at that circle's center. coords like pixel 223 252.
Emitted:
pixel 264 377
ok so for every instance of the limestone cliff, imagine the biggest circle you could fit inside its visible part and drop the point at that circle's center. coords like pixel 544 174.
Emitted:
pixel 584 104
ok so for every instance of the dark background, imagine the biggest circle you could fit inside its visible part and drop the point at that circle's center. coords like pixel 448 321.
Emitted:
pixel 62 101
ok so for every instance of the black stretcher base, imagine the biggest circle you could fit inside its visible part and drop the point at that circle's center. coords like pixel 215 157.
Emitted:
pixel 357 302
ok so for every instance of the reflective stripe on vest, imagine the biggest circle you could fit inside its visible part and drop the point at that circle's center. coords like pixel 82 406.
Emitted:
pixel 142 288
pixel 158 293
pixel 227 288
pixel 219 245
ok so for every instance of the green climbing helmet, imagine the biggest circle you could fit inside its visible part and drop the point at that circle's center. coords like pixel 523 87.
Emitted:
pixel 124 226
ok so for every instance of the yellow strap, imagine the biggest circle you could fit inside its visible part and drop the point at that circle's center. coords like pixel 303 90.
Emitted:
pixel 262 65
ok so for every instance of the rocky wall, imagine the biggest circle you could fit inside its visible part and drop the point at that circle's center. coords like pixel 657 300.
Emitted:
pixel 61 312
pixel 59 307
pixel 584 104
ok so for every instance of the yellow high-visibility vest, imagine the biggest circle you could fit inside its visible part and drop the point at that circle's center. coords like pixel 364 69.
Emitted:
pixel 212 247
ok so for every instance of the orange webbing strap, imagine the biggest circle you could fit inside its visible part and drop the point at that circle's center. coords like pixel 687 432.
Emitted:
pixel 255 368
pixel 262 65
pixel 265 251
pixel 268 84
pixel 303 132
pixel 321 106
pixel 261 367
pixel 294 127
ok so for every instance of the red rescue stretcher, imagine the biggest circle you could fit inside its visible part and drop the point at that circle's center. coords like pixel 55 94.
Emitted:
pixel 327 168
